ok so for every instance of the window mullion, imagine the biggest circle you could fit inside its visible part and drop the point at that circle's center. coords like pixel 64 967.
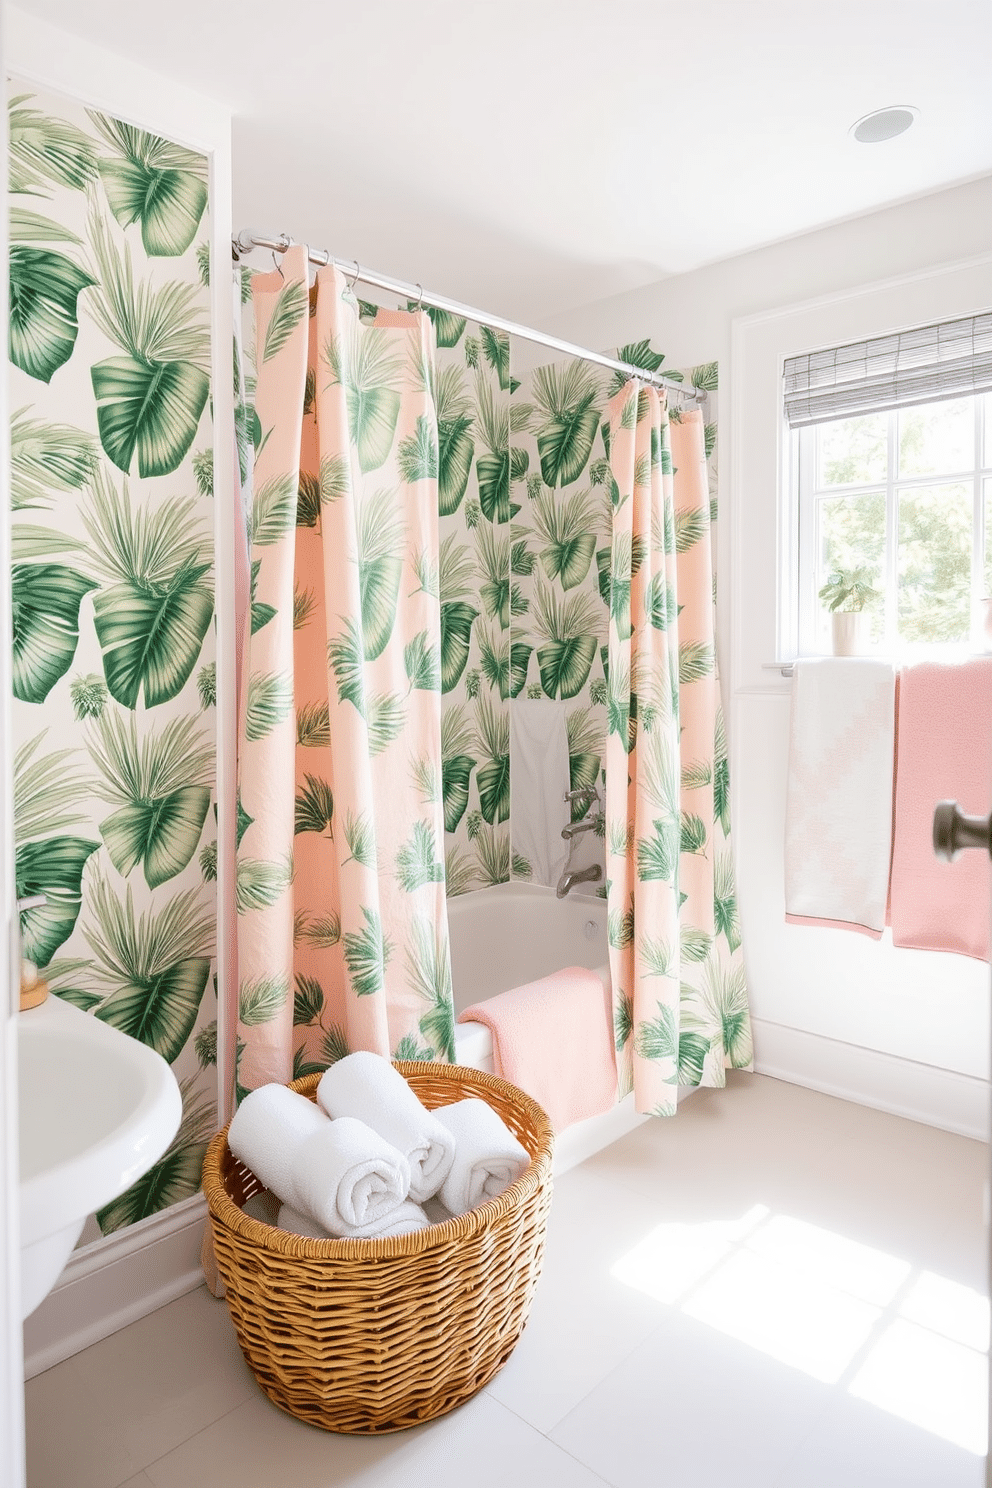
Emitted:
pixel 892 536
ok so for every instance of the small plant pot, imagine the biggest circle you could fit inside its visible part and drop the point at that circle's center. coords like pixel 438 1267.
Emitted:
pixel 852 632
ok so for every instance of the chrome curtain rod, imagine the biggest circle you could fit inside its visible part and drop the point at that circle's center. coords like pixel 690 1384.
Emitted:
pixel 246 240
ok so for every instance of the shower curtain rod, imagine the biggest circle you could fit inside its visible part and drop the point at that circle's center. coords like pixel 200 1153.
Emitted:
pixel 246 240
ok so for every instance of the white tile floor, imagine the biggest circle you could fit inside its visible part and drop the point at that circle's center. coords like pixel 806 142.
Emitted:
pixel 775 1289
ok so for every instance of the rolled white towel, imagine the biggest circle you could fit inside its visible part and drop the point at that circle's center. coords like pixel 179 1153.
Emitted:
pixel 488 1157
pixel 366 1086
pixel 268 1129
pixel 402 1220
pixel 348 1178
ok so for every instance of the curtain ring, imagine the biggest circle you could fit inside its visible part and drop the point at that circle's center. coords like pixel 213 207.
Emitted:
pixel 355 276
pixel 420 303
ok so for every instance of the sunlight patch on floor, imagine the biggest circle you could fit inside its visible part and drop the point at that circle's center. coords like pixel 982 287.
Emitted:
pixel 910 1342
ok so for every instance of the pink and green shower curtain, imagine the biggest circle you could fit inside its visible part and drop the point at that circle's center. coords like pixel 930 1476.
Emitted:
pixel 342 925
pixel 679 990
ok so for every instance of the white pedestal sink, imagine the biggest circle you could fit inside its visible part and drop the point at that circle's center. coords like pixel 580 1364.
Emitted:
pixel 96 1110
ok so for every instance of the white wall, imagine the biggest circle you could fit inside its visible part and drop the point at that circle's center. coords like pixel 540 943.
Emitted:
pixel 128 1274
pixel 902 1029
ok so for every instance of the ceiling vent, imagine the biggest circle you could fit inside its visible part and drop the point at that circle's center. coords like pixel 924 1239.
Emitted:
pixel 883 124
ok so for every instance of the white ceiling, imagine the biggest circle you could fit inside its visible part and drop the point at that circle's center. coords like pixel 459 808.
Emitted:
pixel 531 155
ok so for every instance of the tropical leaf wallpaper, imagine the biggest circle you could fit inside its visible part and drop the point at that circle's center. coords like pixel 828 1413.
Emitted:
pixel 113 593
pixel 524 570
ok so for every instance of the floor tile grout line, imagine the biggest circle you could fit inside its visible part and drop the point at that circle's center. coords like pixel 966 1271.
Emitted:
pixel 550 1441
pixel 208 1426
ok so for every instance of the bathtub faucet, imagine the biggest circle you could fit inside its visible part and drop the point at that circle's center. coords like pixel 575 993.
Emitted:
pixel 588 823
pixel 568 880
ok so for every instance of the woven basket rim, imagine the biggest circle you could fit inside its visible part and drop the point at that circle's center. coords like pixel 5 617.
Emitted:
pixel 460 1227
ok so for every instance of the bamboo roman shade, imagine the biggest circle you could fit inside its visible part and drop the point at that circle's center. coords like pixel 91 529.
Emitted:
pixel 950 360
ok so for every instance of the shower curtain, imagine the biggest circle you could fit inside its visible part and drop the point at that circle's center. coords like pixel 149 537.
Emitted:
pixel 680 997
pixel 342 925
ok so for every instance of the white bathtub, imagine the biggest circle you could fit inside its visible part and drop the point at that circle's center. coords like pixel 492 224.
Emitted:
pixel 514 933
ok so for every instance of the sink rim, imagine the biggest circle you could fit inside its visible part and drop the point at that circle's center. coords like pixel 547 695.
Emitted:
pixel 65 1192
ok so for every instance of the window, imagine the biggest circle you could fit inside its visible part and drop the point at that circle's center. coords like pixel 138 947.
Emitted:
pixel 895 482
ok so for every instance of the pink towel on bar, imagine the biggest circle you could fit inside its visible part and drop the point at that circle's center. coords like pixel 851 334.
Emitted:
pixel 553 1038
pixel 943 752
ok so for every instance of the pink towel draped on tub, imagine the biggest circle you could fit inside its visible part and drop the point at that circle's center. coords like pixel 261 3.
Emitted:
pixel 553 1038
pixel 944 752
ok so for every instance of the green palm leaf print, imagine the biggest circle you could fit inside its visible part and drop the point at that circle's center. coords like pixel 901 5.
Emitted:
pixel 447 326
pixel 725 915
pixel 657 856
pixel 417 861
pixel 261 999
pixel 493 777
pixel 46 150
pixel 566 658
pixel 46 789
pixel 417 455
pixel 456 452
pixel 176 1175
pixel 367 953
pixel 155 182
pixel 422 661
pixel 428 965
pixel 659 1037
pixel 44 289
pixel 568 398
pixel 152 620
pixel 367 365
pixel 344 654
pixel 152 409
pixel 520 654
pixel 380 568
pixel 566 529
pixel 45 600
pixel 314 807
pixel 359 832
pixel 696 660
pixel 149 401
pixel 52 867
pixel 456 449
pixel 156 964
pixel 270 701
pixel 161 786
pixel 46 457
pixel 457 619
pixel 623 1020
pixel 691 525
pixel 308 1001
pixel 493 554
pixel 289 310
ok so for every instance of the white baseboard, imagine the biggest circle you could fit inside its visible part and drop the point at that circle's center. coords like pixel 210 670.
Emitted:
pixel 920 1092
pixel 115 1281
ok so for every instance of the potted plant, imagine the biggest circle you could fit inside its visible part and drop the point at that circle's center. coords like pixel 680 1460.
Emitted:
pixel 846 594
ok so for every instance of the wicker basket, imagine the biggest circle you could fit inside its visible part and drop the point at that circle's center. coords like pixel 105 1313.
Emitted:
pixel 373 1336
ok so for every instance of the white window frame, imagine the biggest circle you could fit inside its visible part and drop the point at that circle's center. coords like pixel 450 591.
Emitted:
pixel 802 585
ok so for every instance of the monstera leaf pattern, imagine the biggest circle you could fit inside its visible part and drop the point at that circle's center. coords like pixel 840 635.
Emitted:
pixel 680 1000
pixel 113 594
pixel 341 869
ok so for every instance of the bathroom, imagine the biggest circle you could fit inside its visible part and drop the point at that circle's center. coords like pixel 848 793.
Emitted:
pixel 860 1138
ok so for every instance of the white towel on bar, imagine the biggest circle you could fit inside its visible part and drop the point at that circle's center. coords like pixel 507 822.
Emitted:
pixel 838 825
pixel 539 770
pixel 402 1220
pixel 488 1157
pixel 366 1086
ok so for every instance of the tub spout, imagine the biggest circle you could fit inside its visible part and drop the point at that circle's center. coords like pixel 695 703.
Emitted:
pixel 592 874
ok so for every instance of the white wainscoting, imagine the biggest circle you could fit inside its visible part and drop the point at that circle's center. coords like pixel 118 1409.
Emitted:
pixel 920 1092
pixel 115 1281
